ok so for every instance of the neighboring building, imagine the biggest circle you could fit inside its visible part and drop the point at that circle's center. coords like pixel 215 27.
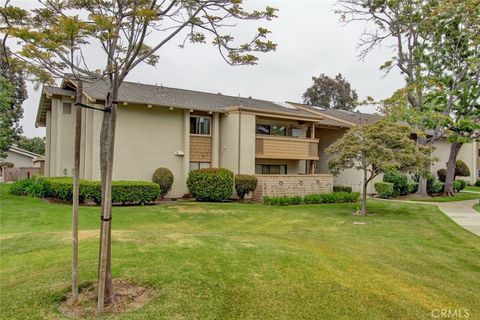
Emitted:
pixel 184 130
pixel 22 158
pixel 469 153
pixel 25 164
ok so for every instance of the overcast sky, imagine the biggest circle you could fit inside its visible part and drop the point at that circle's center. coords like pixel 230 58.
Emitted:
pixel 310 39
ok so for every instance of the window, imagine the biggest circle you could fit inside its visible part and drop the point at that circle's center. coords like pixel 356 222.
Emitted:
pixel 270 169
pixel 263 129
pixel 478 174
pixel 279 131
pixel 67 108
pixel 271 129
pixel 200 125
pixel 199 165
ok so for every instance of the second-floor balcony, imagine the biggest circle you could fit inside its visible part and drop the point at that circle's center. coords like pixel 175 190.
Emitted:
pixel 284 147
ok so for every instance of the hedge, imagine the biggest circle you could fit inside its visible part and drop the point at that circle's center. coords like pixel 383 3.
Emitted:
pixel 282 201
pixel 210 184
pixel 384 189
pixel 399 180
pixel 342 189
pixel 334 197
pixel 61 188
pixel 244 184
pixel 477 183
pixel 459 185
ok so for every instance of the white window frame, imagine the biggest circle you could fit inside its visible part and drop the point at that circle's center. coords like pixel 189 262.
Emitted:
pixel 209 127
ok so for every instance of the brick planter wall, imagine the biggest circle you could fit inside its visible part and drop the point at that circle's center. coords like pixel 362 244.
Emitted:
pixel 274 185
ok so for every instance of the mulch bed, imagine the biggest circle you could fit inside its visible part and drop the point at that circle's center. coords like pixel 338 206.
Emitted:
pixel 128 297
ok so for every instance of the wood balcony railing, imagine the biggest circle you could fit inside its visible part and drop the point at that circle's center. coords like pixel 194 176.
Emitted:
pixel 287 148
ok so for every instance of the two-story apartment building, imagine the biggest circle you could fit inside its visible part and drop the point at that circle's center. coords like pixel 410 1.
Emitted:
pixel 282 143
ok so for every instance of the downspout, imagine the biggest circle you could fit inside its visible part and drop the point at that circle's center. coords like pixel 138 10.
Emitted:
pixel 239 135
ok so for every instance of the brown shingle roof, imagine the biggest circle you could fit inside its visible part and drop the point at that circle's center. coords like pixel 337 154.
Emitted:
pixel 184 99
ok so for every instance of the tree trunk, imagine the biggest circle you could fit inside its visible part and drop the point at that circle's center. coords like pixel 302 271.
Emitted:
pixel 422 181
pixel 105 288
pixel 451 164
pixel 75 192
pixel 364 193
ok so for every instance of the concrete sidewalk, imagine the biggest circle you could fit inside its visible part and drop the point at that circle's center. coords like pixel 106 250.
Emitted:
pixel 462 213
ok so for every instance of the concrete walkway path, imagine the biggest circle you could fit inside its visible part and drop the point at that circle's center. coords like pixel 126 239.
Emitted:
pixel 462 213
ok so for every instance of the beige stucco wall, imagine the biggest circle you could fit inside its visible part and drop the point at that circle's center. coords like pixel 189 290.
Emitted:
pixel 60 137
pixel 19 160
pixel 293 166
pixel 237 142
pixel 467 154
pixel 146 139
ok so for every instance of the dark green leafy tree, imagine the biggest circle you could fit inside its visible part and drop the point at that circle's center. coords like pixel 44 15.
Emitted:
pixel 12 94
pixel 376 148
pixel 452 58
pixel 57 38
pixel 35 144
pixel 401 23
pixel 333 93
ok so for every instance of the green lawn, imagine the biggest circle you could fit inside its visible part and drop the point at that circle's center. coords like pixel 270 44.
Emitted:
pixel 477 207
pixel 460 196
pixel 472 188
pixel 245 261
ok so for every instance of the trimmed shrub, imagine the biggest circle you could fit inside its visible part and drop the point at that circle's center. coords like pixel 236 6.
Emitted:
pixel 210 184
pixel 435 187
pixel 442 174
pixel 461 169
pixel 164 178
pixel 457 185
pixel 282 201
pixel 61 188
pixel 134 192
pixel 244 184
pixel 399 180
pixel 384 189
pixel 342 189
pixel 477 183
pixel 412 187
pixel 335 197
pixel 20 187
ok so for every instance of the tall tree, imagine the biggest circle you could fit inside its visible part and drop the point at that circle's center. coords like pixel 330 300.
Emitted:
pixel 12 94
pixel 333 93
pixel 374 149
pixel 35 144
pixel 403 25
pixel 452 58
pixel 58 37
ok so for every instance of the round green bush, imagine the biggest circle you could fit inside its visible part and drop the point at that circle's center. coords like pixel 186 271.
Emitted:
pixel 461 169
pixel 435 187
pixel 164 178
pixel 399 180
pixel 412 187
pixel 384 189
pixel 244 184
pixel 477 183
pixel 442 174
pixel 210 184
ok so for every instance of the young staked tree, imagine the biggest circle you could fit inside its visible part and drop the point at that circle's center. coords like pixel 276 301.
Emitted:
pixel 376 148
pixel 402 25
pixel 335 93
pixel 59 37
pixel 452 57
